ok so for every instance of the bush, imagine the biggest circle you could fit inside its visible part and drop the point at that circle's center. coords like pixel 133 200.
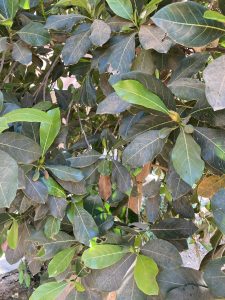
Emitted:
pixel 101 181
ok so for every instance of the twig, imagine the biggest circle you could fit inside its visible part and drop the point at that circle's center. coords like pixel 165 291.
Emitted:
pixel 10 71
pixel 69 111
pixel 216 49
pixel 2 61
pixel 45 80
pixel 82 129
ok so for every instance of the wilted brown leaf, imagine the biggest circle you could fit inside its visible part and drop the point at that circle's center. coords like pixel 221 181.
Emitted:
pixel 144 173
pixel 105 187
pixel 209 186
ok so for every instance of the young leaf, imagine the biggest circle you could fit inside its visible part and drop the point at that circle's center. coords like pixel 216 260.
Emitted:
pixel 103 256
pixel 60 262
pixel 25 4
pixel 49 131
pixel 12 235
pixel 50 291
pixel 26 115
pixel 122 8
pixel 186 158
pixel 54 189
pixel 52 227
pixel 185 24
pixel 214 15
pixel 134 92
pixel 145 272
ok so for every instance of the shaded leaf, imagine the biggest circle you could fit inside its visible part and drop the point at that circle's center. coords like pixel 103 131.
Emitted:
pixel 84 226
pixel 103 256
pixel 164 254
pixel 212 143
pixel 3 44
pixel 66 173
pixel 54 189
pixel 189 29
pixel 100 33
pixel 35 190
pixel 143 149
pixel 145 272
pixel 218 209
pixel 63 22
pixel 183 207
pixel 152 37
pixel 144 62
pixel 190 292
pixel 52 227
pixel 121 177
pixel 215 83
pixel 8 179
pixel 209 186
pixel 112 104
pixel 57 207
pixel 186 158
pixel 34 34
pixel 215 277
pixel 152 208
pixel 84 160
pixel 21 54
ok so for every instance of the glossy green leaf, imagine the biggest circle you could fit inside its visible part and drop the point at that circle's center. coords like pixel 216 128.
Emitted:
pixel 12 235
pixel 214 15
pixel 66 3
pixel 50 291
pixel 63 22
pixel 8 179
pixel 145 272
pixel 122 8
pixel 48 132
pixel 34 34
pixel 134 92
pixel 185 24
pixel 186 158
pixel 60 262
pixel 66 173
pixel 8 8
pixel 102 256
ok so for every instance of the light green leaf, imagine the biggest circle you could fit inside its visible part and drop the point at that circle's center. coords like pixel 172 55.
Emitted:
pixel 52 227
pixel 214 15
pixel 48 132
pixel 54 189
pixel 134 92
pixel 79 3
pixel 145 272
pixel 26 115
pixel 122 8
pixel 186 158
pixel 12 235
pixel 25 4
pixel 48 291
pixel 103 256
pixel 66 173
pixel 60 262
pixel 185 24
pixel 8 179
pixel 34 34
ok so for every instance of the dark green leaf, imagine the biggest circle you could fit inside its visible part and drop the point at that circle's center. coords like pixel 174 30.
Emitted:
pixel 84 160
pixel 57 207
pixel 186 158
pixel 8 8
pixel 212 143
pixel 218 209
pixel 23 149
pixel 36 191
pixel 103 256
pixel 54 189
pixel 87 94
pixel 215 83
pixel 164 254
pixel 21 54
pixel 8 179
pixel 121 177
pixel 145 272
pixel 144 62
pixel 84 226
pixel 63 22
pixel 122 8
pixel 190 292
pixel 3 44
pixel 152 37
pixel 144 148
pixel 185 24
pixel 34 34
pixel 100 33
pixel 76 46
pixel 134 92
pixel 112 104
pixel 215 277
pixel 66 173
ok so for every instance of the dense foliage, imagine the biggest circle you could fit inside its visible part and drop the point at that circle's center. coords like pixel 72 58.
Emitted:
pixel 105 179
